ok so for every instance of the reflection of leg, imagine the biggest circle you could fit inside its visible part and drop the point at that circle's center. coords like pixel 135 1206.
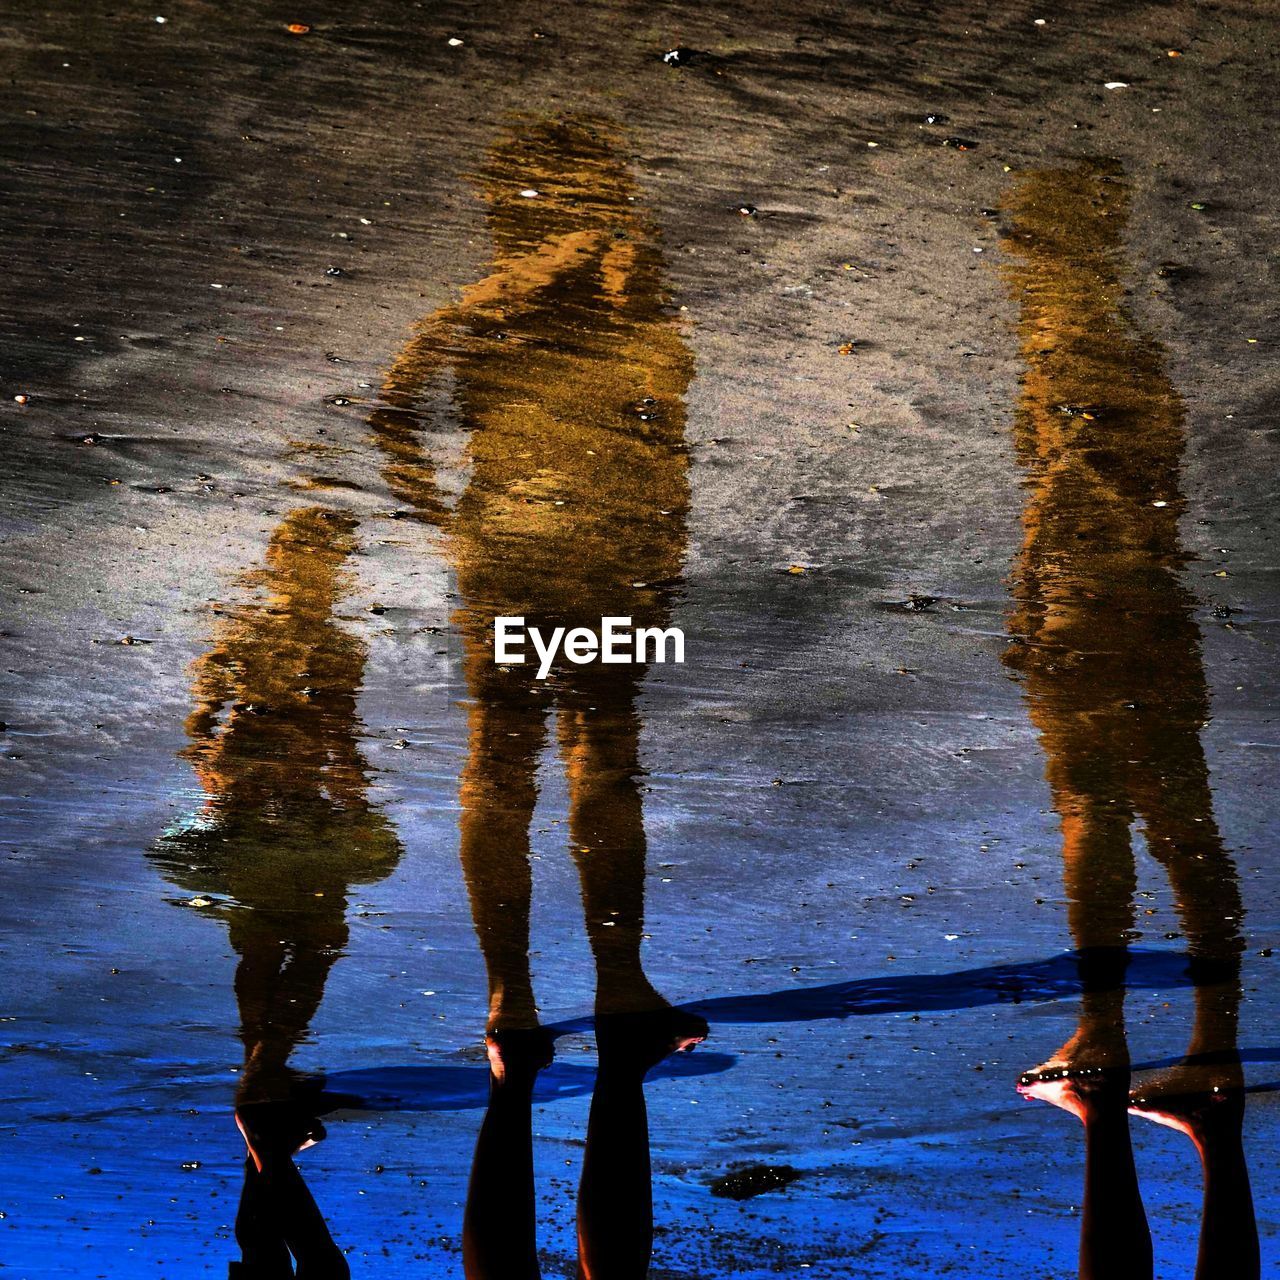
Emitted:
pixel 498 794
pixel 1174 800
pixel 1089 1075
pixel 1115 1243
pixel 285 958
pixel 1098 874
pixel 1099 877
pixel 599 732
pixel 499 1229
pixel 1203 1096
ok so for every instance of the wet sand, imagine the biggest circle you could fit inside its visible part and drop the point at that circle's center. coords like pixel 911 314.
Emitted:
pixel 291 436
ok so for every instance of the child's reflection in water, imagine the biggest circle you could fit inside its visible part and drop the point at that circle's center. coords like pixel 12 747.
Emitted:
pixel 1110 655
pixel 569 377
pixel 286 831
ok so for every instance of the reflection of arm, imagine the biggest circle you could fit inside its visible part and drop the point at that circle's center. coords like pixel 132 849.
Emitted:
pixel 436 343
pixel 395 423
pixel 212 688
pixel 616 268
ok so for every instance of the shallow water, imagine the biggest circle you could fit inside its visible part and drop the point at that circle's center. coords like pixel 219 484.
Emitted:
pixel 954 465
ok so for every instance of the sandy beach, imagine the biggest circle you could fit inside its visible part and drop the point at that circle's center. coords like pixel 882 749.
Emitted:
pixel 916 362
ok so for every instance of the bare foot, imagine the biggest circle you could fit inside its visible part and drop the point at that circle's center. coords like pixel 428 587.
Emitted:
pixel 642 1040
pixel 1090 1050
pixel 516 1055
pixel 275 1131
pixel 1088 1075
pixel 626 992
pixel 512 1008
pixel 1202 1100
pixel 1085 1095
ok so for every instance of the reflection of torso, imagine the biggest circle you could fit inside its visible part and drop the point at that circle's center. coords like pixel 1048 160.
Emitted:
pixel 1101 606
pixel 287 822
pixel 568 377
pixel 579 485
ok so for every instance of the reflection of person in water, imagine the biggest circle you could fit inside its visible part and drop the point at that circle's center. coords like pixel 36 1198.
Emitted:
pixel 569 377
pixel 1110 655
pixel 285 832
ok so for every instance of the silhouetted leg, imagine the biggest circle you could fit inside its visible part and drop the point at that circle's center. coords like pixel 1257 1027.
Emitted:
pixel 1115 1243
pixel 277 1211
pixel 1213 1118
pixel 615 1196
pixel 599 732
pixel 1228 1228
pixel 499 1226
pixel 264 1253
pixel 305 1231
pixel 498 793
pixel 285 958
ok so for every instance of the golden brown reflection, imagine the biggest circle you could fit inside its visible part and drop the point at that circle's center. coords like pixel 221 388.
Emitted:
pixel 1109 652
pixel 286 831
pixel 568 374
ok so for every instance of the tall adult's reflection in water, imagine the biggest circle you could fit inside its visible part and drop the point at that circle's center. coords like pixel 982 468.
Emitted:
pixel 569 376
pixel 1110 654
pixel 286 830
